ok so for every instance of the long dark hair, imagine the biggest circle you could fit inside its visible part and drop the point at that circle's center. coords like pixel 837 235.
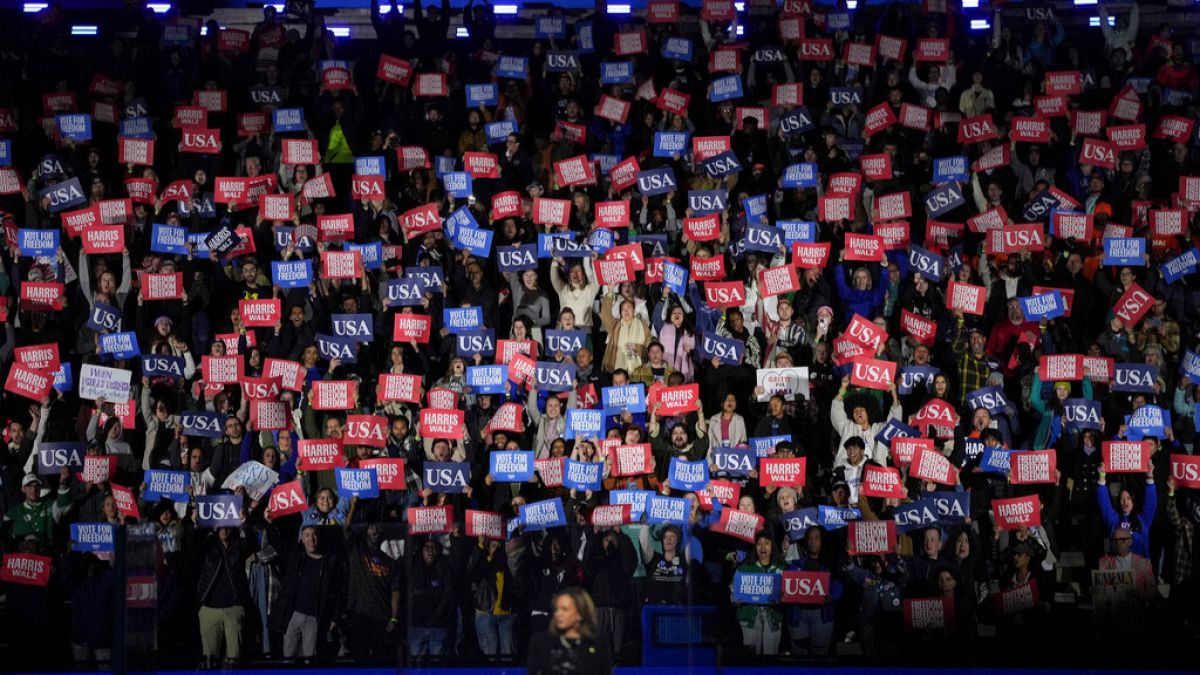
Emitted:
pixel 583 605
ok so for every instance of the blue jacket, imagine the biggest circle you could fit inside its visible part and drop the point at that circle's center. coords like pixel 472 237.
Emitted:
pixel 1141 518
pixel 868 303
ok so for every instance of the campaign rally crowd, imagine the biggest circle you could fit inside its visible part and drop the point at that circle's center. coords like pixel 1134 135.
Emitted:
pixel 872 330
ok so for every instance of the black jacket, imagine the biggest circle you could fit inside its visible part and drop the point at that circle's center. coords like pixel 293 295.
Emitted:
pixel 431 593
pixel 331 597
pixel 229 560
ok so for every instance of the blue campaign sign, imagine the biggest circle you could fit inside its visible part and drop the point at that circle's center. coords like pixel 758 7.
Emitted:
pixel 929 264
pixel 361 483
pixel 972 449
pixel 1189 366
pixel 443 164
pixel 584 423
pixel 950 507
pixel 554 376
pixel 358 327
pixel 836 517
pixel 498 132
pixel 457 184
pixel 462 217
pixel 222 240
pixel 1148 420
pixel 331 347
pixel 168 239
pixel 671 143
pixel 616 72
pixel 511 466
pixel 734 461
pixel 513 67
pixel 547 244
pixel 566 247
pixel 917 515
pixel 163 365
pixel 120 345
pixel 657 181
pixel 218 511
pixel 629 397
pixel 725 88
pixel 635 498
pixel 93 537
pixel 755 208
pixel 995 460
pixel 6 152
pixel 804 231
pixel 63 380
pixel 1134 378
pixel 840 96
pixel 1124 251
pixel 721 165
pixel 371 254
pixel 583 476
pixel 678 49
pixel 727 350
pixel 566 342
pixel 797 523
pixel 600 240
pixel 796 122
pixel 756 588
pixel 955 169
pixel 482 94
pixel 202 423
pixel 911 377
pixel 763 239
pixel 764 446
pixel 487 379
pixel 291 273
pixel 431 278
pixel 477 241
pixel 469 343
pixel 672 510
pixel 543 515
pixel 136 127
pixel 1048 305
pixel 943 199
pixel 374 165
pixel 517 258
pixel 675 278
pixel 550 27
pixel 462 319
pixel 446 477
pixel 690 476
pixel 287 119
pixel 585 33
pixel 704 202
pixel 53 457
pixel 161 484
pixel 104 318
pixel 75 126
pixel 1040 207
pixel 991 399
pixel 64 195
pixel 802 175
pixel 1181 265
pixel 37 242
pixel 605 161
pixel 1082 413
pixel 562 61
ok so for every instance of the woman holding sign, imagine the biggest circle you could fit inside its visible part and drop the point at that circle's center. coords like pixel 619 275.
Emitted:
pixel 762 625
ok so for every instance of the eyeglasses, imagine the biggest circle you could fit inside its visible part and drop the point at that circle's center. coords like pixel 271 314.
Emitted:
pixel 1120 540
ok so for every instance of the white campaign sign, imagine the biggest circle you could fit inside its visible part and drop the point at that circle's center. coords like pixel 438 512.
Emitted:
pixel 786 381
pixel 111 384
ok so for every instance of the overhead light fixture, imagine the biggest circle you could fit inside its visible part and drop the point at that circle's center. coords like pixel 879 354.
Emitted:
pixel 84 29
pixel 970 4
pixel 620 9
pixel 506 10
pixel 980 24
pixel 34 7
pixel 462 32
pixel 339 31
pixel 159 7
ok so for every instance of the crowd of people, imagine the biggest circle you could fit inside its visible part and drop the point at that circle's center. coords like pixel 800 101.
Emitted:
pixel 875 332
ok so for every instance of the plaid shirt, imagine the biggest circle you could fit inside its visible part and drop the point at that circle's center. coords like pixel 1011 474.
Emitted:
pixel 972 372
pixel 1185 533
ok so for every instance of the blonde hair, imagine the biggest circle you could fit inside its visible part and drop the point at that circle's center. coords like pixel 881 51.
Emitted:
pixel 583 606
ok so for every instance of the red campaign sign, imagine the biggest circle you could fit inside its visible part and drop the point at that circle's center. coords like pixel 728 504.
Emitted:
pixel 507 349
pixel 442 423
pixel 1174 128
pixel 410 157
pixel 442 397
pixel 918 327
pixel 629 42
pixel 993 159
pixel 1185 469
pixel 1126 456
pixel 891 48
pixel 99 239
pixel 421 219
pixel 1131 137
pixel 741 114
pixel 38 357
pixel 774 281
pixel 1072 226
pixel 846 350
pixel 126 502
pixel 551 211
pixel 916 117
pixel 276 207
pixel 833 209
pixel 28 382
pixel 164 286
pixel 630 252
pixel 1012 514
pixel 197 139
pixel 178 190
pixel 739 524
pixel 394 70
pixel 212 100
pixel 1017 599
pixel 624 173
pixel 936 50
pixel 930 465
pixel 431 84
pixel 509 417
pixel 858 53
pixel 286 499
pixel 1030 130
pixel 1050 106
pixel 1016 239
pixel 775 472
pixel 873 373
pixel 816 49
pixel 977 129
pixel 430 519
pixel 808 255
pixel 320 454
pixel 716 10
pixel 611 214
pixel 1168 222
pixel 726 492
pixel 707 269
pixel 187 116
pixel 26 569
pixel 611 515
pixel 411 328
pixel 1126 106
pixel 670 401
pixel 789 95
pixel 1097 153
pixel 845 184
pixel 488 524
pixel 1189 188
pixel 289 373
pixel 662 11
pixel 1133 305
pixel 221 369
pixel 895 235
pixel 230 39
pixel 301 151
pixel 522 369
pixel 929 613
pixel 878 118
pixel 577 170
pixel 399 387
pixel 141 190
pixel 251 124
pixel 967 297
pixel 139 151
pixel 904 448
pixel 877 167
pixel 613 109
pixel 1088 122
pixel 1060 367
pixel 871 537
pixel 673 101
pixel 724 294
pixel 725 60
pixel 335 227
pixel 59 102
pixel 1064 82
pixel 366 430
pixel 389 472
pixel 863 247
pixel 632 460
pixel 806 588
pixel 550 471
pixel 575 133
pixel 10 181
pixel 116 211
pixel 334 394
pixel 611 272
pixel 866 333
pixel 481 164
pixel 367 187
pixel 882 481
pixel 942 233
pixel 42 295
pixel 1034 466
pixel 260 388
pixel 270 415
pixel 105 86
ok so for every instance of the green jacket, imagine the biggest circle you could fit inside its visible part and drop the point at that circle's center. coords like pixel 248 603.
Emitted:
pixel 37 519
pixel 746 614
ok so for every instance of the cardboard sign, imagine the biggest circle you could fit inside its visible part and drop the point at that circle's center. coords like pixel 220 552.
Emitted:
pixel 1185 469
pixel 871 537
pixel 936 614
pixel 631 460
pixel 878 481
pixel 873 373
pixel 782 472
pixel 1126 456
pixel 442 423
pixel 1012 514
pixel 26 569
pixel 807 588
pixel 738 524
pixel 930 465
pixel 966 297
pixel 676 400
pixel 1133 305
pixel 430 519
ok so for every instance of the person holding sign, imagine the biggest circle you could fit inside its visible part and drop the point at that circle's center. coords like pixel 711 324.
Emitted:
pixel 1052 424
pixel 860 424
pixel 681 443
pixel 1128 517
pixel 811 626
pixel 762 625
